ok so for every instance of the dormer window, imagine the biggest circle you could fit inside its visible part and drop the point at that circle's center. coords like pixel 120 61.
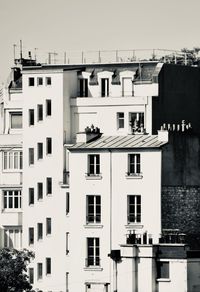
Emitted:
pixel 104 87
pixel 83 87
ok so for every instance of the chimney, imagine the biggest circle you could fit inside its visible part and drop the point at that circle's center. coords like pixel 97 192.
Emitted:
pixel 90 134
pixel 163 135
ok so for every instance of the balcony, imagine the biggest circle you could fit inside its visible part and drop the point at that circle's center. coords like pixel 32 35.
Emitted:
pixel 172 236
pixel 143 238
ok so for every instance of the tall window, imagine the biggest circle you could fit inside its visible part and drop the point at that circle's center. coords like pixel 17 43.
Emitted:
pixel 39 81
pixel 48 226
pixel 137 122
pixel 83 87
pixel 40 190
pixel 16 120
pixel 134 208
pixel 48 80
pixel 31 117
pixel 31 235
pixel 48 266
pixel 120 120
pixel 163 270
pixel 93 209
pixel 40 112
pixel 13 237
pixel 104 87
pixel 40 230
pixel 12 199
pixel 12 160
pixel 39 271
pixel 40 150
pixel 31 156
pixel 94 164
pixel 31 196
pixel 49 185
pixel 31 81
pixel 67 242
pixel 48 107
pixel 93 252
pixel 49 145
pixel 31 275
pixel 67 202
pixel 134 166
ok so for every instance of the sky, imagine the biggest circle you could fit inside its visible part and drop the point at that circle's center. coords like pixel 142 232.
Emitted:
pixel 82 25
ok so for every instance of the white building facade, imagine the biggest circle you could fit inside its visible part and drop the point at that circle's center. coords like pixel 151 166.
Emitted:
pixel 91 176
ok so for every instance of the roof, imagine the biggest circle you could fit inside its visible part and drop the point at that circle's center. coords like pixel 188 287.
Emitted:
pixel 120 142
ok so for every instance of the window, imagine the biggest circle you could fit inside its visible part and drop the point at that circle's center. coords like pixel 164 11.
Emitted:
pixel 48 266
pixel 134 167
pixel 40 112
pixel 40 190
pixel 40 231
pixel 31 275
pixel 83 87
pixel 31 117
pixel 12 199
pixel 163 270
pixel 49 145
pixel 31 235
pixel 93 252
pixel 67 203
pixel 48 226
pixel 93 209
pixel 48 80
pixel 67 242
pixel 31 196
pixel 67 281
pixel 48 107
pixel 13 237
pixel 16 120
pixel 127 86
pixel 40 150
pixel 39 81
pixel 134 209
pixel 104 87
pixel 12 160
pixel 137 122
pixel 94 164
pixel 49 185
pixel 31 81
pixel 39 270
pixel 120 120
pixel 31 156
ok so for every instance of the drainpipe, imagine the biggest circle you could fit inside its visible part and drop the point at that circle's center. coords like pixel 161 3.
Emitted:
pixel 110 208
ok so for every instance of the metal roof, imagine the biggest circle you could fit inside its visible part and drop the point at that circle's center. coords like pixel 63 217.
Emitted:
pixel 121 142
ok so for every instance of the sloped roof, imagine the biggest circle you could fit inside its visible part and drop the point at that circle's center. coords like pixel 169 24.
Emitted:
pixel 120 142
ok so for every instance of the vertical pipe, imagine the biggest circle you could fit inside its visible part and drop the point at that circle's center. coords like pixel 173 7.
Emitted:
pixel 20 49
pixel 99 56
pixel 65 58
pixel 114 276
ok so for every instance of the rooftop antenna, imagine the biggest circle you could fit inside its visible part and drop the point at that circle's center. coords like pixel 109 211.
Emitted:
pixel 35 49
pixel 14 47
pixel 21 49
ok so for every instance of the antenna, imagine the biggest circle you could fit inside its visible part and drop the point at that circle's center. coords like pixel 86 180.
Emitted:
pixel 21 49
pixel 14 47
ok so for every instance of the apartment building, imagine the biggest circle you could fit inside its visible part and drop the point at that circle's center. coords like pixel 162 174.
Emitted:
pixel 91 186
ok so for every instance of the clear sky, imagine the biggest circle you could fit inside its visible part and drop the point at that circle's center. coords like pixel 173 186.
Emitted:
pixel 62 25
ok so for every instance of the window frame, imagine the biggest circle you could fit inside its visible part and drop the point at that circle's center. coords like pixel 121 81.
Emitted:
pixel 39 271
pixel 40 191
pixel 11 159
pixel 48 226
pixel 105 87
pixel 48 81
pixel 15 113
pixel 40 114
pixel 31 275
pixel 31 112
pixel 31 81
pixel 13 241
pixel 31 193
pixel 136 206
pixel 38 81
pixel 39 151
pixel 39 231
pixel 31 235
pixel 93 252
pixel 95 164
pixel 12 200
pixel 134 165
pixel 94 214
pixel 48 107
pixel 160 273
pixel 48 266
pixel 48 146
pixel 31 156
pixel 120 119
pixel 83 86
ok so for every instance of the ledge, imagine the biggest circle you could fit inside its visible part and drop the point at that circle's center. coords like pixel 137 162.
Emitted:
pixel 163 280
pixel 93 177
pixel 134 226
pixel 98 269
pixel 90 225
pixel 134 176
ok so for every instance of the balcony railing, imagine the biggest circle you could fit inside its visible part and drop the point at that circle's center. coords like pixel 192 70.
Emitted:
pixel 172 236
pixel 144 238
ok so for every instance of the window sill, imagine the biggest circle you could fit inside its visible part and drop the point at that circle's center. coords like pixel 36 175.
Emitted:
pixel 93 268
pixel 93 177
pixel 49 195
pixel 163 280
pixel 31 205
pixel 12 170
pixel 134 176
pixel 134 226
pixel 5 211
pixel 93 225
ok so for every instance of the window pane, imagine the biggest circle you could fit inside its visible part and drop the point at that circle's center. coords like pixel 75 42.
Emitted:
pixel 16 120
